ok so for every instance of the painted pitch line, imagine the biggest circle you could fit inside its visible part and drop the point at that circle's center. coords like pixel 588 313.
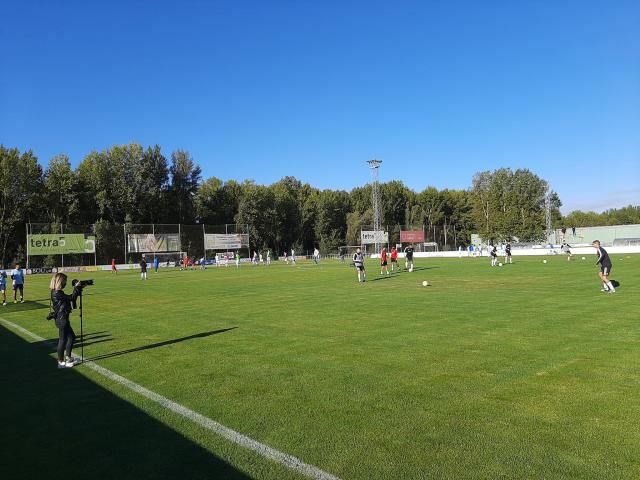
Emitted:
pixel 282 458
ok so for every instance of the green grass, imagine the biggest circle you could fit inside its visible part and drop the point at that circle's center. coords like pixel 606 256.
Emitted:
pixel 524 371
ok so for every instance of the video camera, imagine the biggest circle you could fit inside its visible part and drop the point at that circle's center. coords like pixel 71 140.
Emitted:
pixel 80 284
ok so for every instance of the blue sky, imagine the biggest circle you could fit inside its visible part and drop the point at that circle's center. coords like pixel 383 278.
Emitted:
pixel 260 90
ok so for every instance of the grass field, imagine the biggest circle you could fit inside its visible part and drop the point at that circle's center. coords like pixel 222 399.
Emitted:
pixel 523 371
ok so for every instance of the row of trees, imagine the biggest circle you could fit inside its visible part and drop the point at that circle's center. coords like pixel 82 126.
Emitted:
pixel 128 184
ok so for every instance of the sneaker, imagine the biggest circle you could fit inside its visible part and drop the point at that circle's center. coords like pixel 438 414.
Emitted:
pixel 62 365
pixel 15 301
pixel 69 362
pixel 604 289
pixel 21 301
pixel 611 291
pixel 4 304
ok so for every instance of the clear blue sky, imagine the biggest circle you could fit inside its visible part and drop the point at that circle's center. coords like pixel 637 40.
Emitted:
pixel 264 89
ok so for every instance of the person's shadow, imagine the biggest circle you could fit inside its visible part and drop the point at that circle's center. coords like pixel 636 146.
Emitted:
pixel 158 344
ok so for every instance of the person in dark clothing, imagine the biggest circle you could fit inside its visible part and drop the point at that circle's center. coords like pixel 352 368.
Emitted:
pixel 62 304
pixel 605 267
pixel 143 269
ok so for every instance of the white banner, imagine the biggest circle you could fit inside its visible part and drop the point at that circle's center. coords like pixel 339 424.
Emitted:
pixel 373 236
pixel 149 242
pixel 224 241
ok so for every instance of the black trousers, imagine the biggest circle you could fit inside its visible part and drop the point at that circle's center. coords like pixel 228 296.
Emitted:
pixel 66 337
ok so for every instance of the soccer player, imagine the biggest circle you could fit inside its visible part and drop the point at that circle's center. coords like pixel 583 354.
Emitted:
pixel 268 256
pixel 3 287
pixel 507 253
pixel 17 277
pixel 565 248
pixel 286 258
pixel 113 266
pixel 408 258
pixel 316 255
pixel 293 256
pixel 494 255
pixel 394 259
pixel 358 262
pixel 186 263
pixel 237 259
pixel 156 264
pixel 383 261
pixel 143 269
pixel 605 267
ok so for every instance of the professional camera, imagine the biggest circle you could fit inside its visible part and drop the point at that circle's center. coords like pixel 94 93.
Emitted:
pixel 80 284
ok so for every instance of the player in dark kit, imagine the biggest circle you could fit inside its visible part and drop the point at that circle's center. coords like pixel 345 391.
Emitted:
pixel 143 269
pixel 358 262
pixel 408 258
pixel 507 254
pixel 494 255
pixel 605 267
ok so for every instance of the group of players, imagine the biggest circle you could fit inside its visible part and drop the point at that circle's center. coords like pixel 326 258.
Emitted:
pixel 17 284
pixel 358 261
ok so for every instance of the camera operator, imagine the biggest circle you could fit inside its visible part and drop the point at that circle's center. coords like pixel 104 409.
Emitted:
pixel 62 305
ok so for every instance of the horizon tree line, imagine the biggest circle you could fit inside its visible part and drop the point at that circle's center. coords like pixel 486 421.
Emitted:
pixel 131 184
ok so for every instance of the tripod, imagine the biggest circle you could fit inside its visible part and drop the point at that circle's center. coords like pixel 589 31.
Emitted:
pixel 81 330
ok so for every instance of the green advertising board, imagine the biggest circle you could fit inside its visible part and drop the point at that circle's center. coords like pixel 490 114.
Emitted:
pixel 57 244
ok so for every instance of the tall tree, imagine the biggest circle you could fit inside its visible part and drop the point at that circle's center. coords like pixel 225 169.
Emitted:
pixel 21 183
pixel 185 178
pixel 62 202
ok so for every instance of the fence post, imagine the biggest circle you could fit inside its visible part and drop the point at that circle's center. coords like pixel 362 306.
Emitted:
pixel 62 233
pixel 26 226
pixel 124 230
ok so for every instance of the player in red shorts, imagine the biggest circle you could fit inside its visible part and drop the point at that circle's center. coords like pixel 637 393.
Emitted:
pixel 186 262
pixel 113 266
pixel 383 261
pixel 394 259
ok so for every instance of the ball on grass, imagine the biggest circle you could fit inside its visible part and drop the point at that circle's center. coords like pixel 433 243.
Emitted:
pixel 499 264
pixel 425 284
pixel 583 258
pixel 544 261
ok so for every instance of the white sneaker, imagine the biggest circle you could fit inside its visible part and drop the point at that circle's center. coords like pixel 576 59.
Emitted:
pixel 604 289
pixel 62 365
pixel 4 304
pixel 69 362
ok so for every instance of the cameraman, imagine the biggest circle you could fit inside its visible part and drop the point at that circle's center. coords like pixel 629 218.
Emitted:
pixel 62 305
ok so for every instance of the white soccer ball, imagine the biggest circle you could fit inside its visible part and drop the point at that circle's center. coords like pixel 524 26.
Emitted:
pixel 499 264
pixel 544 261
pixel 583 258
pixel 425 284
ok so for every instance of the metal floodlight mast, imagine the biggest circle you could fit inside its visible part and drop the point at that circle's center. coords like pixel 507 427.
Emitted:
pixel 374 165
pixel 547 212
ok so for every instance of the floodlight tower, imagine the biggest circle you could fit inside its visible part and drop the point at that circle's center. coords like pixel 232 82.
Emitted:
pixel 547 213
pixel 374 165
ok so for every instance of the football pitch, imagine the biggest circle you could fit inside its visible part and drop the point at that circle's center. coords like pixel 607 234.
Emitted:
pixel 520 371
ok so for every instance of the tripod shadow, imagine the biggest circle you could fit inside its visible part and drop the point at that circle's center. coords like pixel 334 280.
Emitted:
pixel 27 305
pixel 159 344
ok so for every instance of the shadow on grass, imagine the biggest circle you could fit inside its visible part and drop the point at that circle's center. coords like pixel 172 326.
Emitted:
pixel 27 305
pixel 59 424
pixel 159 344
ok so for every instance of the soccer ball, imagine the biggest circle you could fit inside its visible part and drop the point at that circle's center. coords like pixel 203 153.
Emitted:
pixel 583 258
pixel 425 284
pixel 499 264
pixel 544 261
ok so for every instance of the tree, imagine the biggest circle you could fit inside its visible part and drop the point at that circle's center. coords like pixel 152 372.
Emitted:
pixel 21 184
pixel 62 202
pixel 185 178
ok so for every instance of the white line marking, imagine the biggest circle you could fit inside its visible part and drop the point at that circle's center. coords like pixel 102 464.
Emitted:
pixel 282 458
